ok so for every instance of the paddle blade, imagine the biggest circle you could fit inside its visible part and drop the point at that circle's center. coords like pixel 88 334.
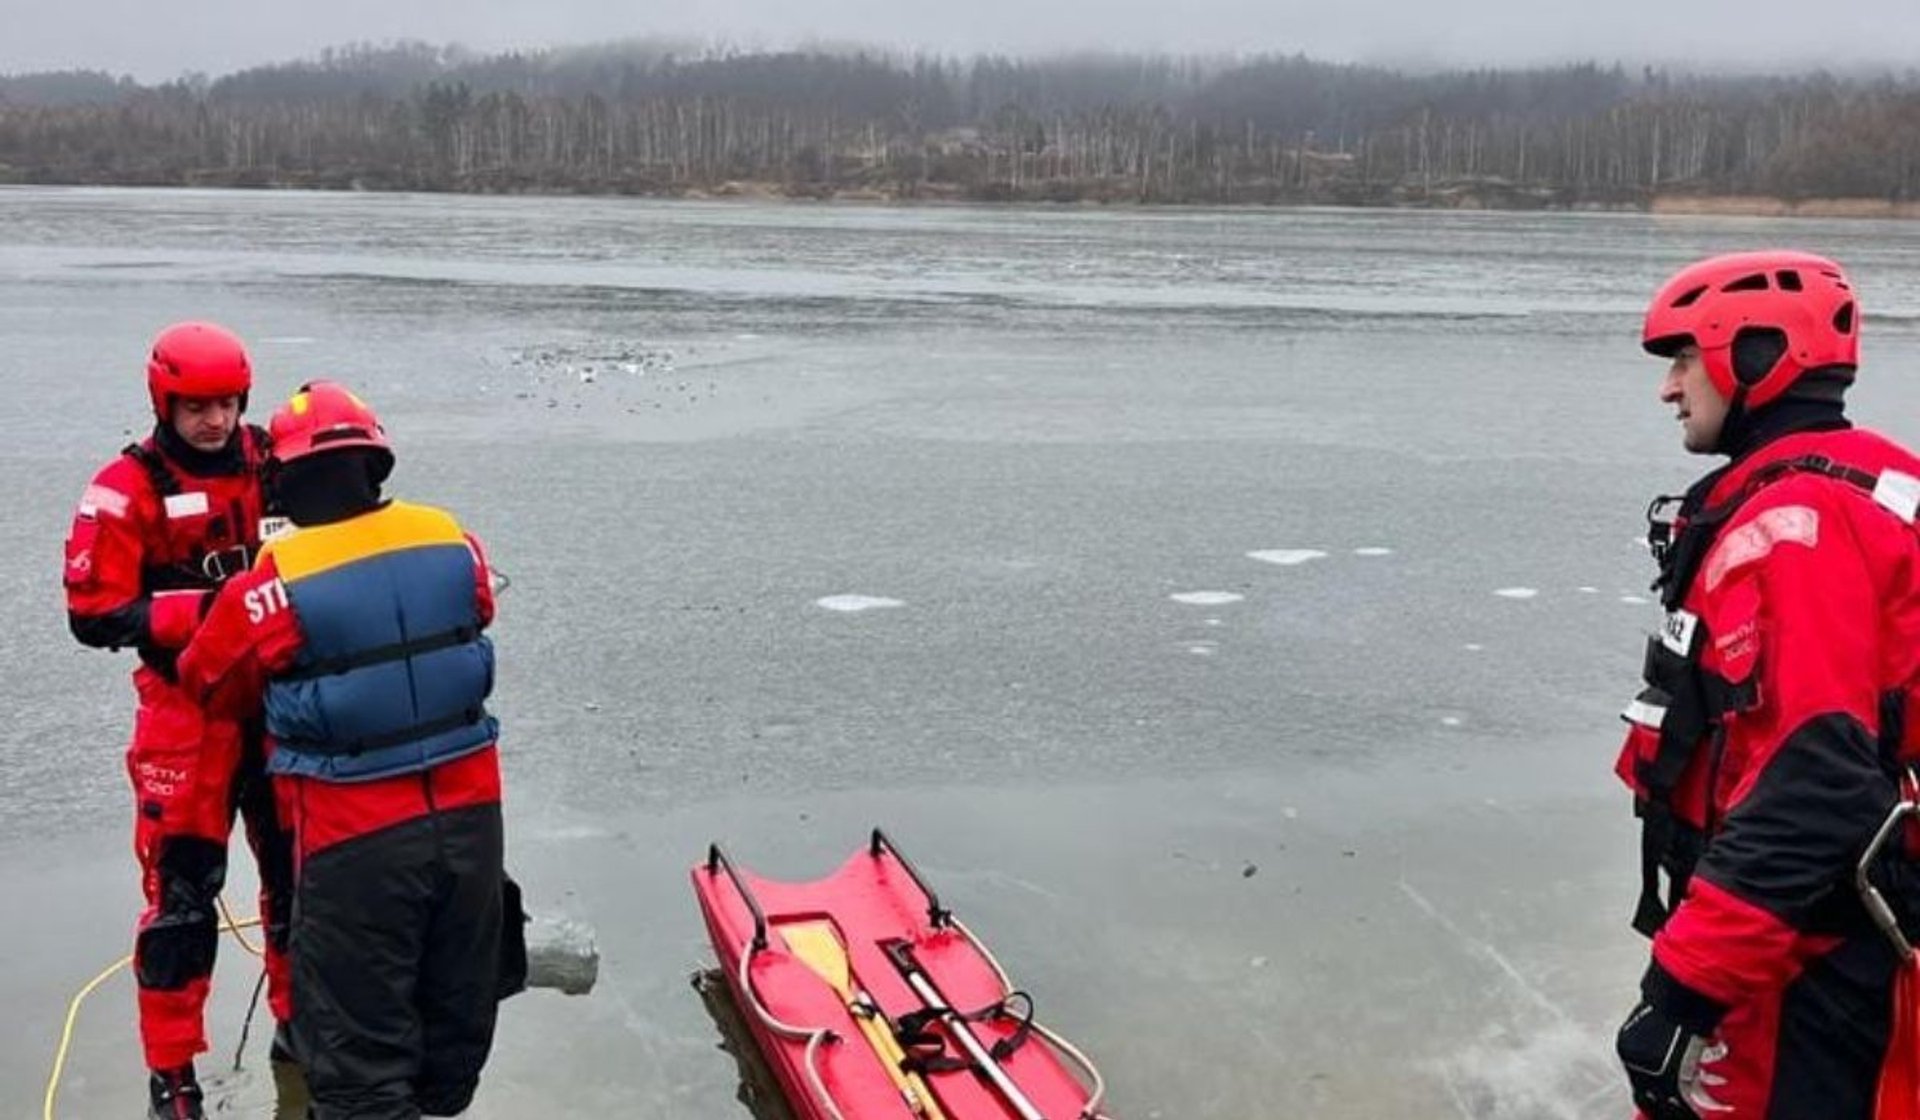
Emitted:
pixel 818 946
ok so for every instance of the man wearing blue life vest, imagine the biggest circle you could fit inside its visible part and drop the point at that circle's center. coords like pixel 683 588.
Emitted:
pixel 361 629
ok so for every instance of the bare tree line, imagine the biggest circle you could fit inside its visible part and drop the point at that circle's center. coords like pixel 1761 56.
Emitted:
pixel 636 118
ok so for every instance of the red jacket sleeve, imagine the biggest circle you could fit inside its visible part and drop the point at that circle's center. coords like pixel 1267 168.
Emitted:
pixel 107 605
pixel 1791 602
pixel 482 579
pixel 249 633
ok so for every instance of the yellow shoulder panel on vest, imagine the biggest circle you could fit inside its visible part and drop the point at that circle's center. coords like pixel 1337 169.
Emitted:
pixel 310 550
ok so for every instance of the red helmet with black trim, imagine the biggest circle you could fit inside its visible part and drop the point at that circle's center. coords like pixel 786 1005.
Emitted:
pixel 1804 301
pixel 325 416
pixel 196 360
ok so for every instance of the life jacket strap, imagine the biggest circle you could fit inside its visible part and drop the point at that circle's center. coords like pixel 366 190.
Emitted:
pixel 378 655
pixel 466 717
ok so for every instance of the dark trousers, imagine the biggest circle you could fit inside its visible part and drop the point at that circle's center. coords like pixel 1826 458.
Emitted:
pixel 396 946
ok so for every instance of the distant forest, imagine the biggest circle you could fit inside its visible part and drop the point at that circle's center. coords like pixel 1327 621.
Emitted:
pixel 641 119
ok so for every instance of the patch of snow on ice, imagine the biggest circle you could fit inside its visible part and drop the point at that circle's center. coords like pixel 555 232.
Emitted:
pixel 1286 556
pixel 1206 598
pixel 856 603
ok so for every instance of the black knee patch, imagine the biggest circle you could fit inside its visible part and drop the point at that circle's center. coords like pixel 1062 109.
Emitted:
pixel 177 946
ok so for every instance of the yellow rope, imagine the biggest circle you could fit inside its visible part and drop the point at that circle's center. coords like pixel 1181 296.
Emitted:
pixel 237 926
pixel 73 1007
pixel 66 1032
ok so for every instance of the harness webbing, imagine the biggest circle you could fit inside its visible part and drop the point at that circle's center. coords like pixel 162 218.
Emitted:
pixel 392 651
pixel 1694 702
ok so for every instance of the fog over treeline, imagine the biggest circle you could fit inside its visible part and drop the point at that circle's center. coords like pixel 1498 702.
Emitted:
pixel 650 118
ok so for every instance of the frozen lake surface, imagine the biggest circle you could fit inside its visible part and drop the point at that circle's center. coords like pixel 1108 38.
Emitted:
pixel 1229 610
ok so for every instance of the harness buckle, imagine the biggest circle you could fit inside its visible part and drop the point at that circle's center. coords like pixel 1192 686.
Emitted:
pixel 1662 514
pixel 223 565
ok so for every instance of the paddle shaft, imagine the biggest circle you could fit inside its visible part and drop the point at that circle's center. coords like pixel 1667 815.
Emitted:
pixel 982 1060
pixel 817 945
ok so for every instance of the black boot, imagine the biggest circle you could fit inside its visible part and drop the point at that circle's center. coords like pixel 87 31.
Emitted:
pixel 282 1048
pixel 291 1099
pixel 174 1094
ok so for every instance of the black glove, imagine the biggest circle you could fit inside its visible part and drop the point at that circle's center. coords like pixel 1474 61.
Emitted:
pixel 1663 1063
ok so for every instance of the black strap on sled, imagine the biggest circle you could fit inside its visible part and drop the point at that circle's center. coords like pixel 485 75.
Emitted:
pixel 926 1049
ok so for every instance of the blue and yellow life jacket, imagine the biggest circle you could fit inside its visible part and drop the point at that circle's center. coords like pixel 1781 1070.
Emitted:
pixel 394 674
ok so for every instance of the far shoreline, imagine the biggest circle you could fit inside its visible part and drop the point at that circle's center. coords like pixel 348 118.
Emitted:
pixel 1763 206
pixel 1456 198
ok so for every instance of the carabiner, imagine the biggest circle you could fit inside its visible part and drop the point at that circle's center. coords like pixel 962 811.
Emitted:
pixel 1870 896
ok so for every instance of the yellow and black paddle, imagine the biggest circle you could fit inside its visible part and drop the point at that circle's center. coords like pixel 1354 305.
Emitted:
pixel 818 945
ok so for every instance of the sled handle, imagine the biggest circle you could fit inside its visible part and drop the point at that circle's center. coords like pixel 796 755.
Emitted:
pixel 717 861
pixel 937 915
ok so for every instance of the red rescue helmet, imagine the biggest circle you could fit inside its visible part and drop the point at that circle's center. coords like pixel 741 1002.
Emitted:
pixel 196 360
pixel 1798 308
pixel 325 416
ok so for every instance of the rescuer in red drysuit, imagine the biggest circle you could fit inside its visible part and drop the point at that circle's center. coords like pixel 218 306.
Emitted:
pixel 1777 720
pixel 161 526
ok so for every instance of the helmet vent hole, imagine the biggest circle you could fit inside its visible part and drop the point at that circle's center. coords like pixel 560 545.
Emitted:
pixel 1754 283
pixel 1788 281
pixel 1688 299
pixel 1843 318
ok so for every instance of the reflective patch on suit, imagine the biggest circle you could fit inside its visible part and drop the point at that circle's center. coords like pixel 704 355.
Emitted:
pixel 1898 492
pixel 1647 715
pixel 190 504
pixel 98 499
pixel 1753 541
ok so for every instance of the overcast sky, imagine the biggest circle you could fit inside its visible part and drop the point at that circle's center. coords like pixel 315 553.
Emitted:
pixel 158 39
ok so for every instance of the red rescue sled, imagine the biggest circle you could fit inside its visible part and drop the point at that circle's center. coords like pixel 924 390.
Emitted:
pixel 871 1001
